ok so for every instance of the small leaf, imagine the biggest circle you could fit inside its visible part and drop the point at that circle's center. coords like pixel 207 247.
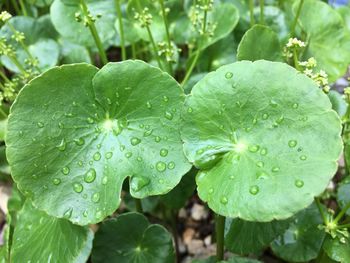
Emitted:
pixel 82 132
pixel 337 250
pixel 40 238
pixel 303 239
pixel 268 46
pixel 130 238
pixel 244 237
pixel 338 102
pixel 343 191
pixel 258 133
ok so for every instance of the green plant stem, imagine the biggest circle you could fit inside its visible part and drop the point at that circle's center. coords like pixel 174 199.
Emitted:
pixel 3 113
pixel 138 205
pixel 173 221
pixel 194 61
pixel 16 7
pixel 251 12
pixel 15 61
pixel 262 4
pixel 23 7
pixel 295 21
pixel 324 217
pixel 94 33
pixel 342 213
pixel 344 226
pixel 3 75
pixel 296 59
pixel 121 28
pixel 166 25
pixel 219 229
pixel 24 46
pixel 133 50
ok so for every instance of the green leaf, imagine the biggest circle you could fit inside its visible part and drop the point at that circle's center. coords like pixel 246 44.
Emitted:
pixel 73 53
pixel 86 131
pixel 338 102
pixel 260 141
pixel 130 238
pixel 303 239
pixel 148 203
pixel 337 250
pixel 40 238
pixel 244 237
pixel 234 259
pixel 343 192
pixel 268 46
pixel 39 44
pixel 3 128
pixel 63 18
pixel 327 42
pixel 344 11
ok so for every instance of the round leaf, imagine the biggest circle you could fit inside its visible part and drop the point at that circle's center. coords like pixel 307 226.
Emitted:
pixel 75 134
pixel 269 47
pixel 337 250
pixel 41 238
pixel 343 191
pixel 327 42
pixel 130 238
pixel 265 138
pixel 303 239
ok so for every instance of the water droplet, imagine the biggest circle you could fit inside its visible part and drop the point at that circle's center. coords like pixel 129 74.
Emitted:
pixel 65 170
pixel 303 157
pixel 97 156
pixel 165 98
pixel 168 115
pixel 79 141
pixel 163 152
pixel 85 213
pixel 80 163
pixel 295 105
pixel 253 148
pixel 189 110
pixel 141 125
pixel 95 197
pixel 265 116
pixel 90 175
pixel 255 120
pixel 56 181
pixel 109 155
pixel 104 180
pixel 98 215
pixel 263 151
pixel 78 188
pixel 280 119
pixel 223 200
pixel 232 177
pixel 34 176
pixel 68 213
pixel 62 145
pixel 160 166
pixel 261 175
pixel 254 190
pixel 149 105
pixel 157 139
pixel 40 124
pixel 275 169
pixel 211 190
pixel 135 141
pixel 128 154
pixel 60 125
pixel 147 133
pixel 139 182
pixel 109 102
pixel 299 183
pixel 90 120
pixel 260 164
pixel 68 114
pixel 228 75
pixel 200 151
pixel 139 158
pixel 171 165
pixel 122 148
pixel 292 143
pixel 273 103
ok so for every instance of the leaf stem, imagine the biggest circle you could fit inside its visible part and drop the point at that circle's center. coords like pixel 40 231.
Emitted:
pixel 121 28
pixel 16 7
pixel 138 205
pixel 296 59
pixel 295 21
pixel 251 12
pixel 23 7
pixel 319 206
pixel 133 50
pixel 166 25
pixel 262 11
pixel 219 228
pixel 3 75
pixel 341 213
pixel 93 30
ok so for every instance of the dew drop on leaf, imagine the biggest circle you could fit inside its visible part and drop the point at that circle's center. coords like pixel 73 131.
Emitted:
pixel 299 183
pixel 65 170
pixel 147 133
pixel 228 75
pixel 263 151
pixel 254 190
pixel 232 177
pixel 168 115
pixel 253 148
pixel 78 188
pixel 171 165
pixel 224 200
pixel 292 143
pixel 160 166
pixel 135 141
pixel 98 215
pixel 79 141
pixel 128 154
pixel 95 197
pixel 104 180
pixel 273 103
pixel 56 181
pixel 260 164
pixel 90 120
pixel 211 190
pixel 68 213
pixel 62 145
pixel 90 175
pixel 157 139
pixel 97 156
pixel 265 116
pixel 149 105
pixel 189 110
pixel 275 169
pixel 85 213
pixel 303 157
pixel 295 105
pixel 165 98
pixel 109 155
pixel 139 182
pixel 40 124
pixel 163 152
pixel 60 125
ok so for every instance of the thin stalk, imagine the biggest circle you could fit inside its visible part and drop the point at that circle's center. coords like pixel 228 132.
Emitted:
pixel 344 226
pixel 23 7
pixel 133 50
pixel 94 33
pixel 173 221
pixel 296 59
pixel 15 61
pixel 324 217
pixel 342 213
pixel 262 11
pixel 24 46
pixel 166 25
pixel 219 229
pixel 16 7
pixel 251 12
pixel 121 28
pixel 194 61
pixel 138 205
pixel 3 113
pixel 295 21
pixel 3 75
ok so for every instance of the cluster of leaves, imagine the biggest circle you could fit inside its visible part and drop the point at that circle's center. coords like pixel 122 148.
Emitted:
pixel 229 97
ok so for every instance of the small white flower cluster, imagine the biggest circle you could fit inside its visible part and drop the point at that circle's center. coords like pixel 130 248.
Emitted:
pixel 4 16
pixel 87 20
pixel 292 46
pixel 167 52
pixel 294 42
pixel 144 18
pixel 321 77
pixel 197 17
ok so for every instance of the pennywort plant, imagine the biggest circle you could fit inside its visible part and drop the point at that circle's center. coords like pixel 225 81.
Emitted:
pixel 123 113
